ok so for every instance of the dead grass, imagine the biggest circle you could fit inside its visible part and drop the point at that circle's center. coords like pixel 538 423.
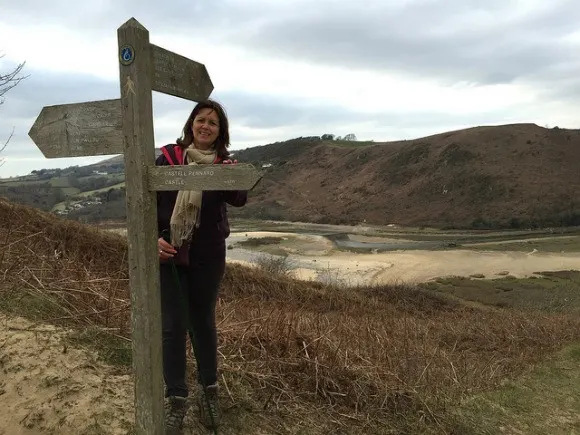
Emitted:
pixel 297 356
pixel 80 271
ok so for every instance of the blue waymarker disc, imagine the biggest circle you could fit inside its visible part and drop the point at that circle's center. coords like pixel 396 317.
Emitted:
pixel 126 55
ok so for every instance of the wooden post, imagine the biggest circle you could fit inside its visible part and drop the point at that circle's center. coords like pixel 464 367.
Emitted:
pixel 135 74
pixel 126 126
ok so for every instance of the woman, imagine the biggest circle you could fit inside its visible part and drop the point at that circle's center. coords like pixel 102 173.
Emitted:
pixel 193 227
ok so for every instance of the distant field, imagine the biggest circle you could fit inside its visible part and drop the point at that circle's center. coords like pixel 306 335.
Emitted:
pixel 352 143
pixel 545 244
pixel 63 183
pixel 556 291
pixel 18 182
pixel 60 182
pixel 61 205
pixel 104 189
pixel 57 182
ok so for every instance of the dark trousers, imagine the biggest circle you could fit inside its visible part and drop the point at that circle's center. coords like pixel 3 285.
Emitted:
pixel 198 295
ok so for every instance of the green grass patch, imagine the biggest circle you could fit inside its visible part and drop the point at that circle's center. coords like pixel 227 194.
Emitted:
pixel 545 401
pixel 70 191
pixel 270 245
pixel 111 349
pixel 60 182
pixel 255 242
pixel 555 292
pixel 18 182
pixel 103 189
pixel 547 244
pixel 32 306
pixel 352 143
pixel 37 308
pixel 64 184
pixel 61 206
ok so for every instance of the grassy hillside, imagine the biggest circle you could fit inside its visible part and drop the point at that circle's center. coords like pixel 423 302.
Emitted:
pixel 509 176
pixel 303 357
pixel 87 193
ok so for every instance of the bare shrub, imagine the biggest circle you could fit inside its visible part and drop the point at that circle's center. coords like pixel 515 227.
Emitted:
pixel 332 277
pixel 275 264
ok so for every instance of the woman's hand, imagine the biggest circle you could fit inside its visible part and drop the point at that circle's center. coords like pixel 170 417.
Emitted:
pixel 166 251
pixel 229 162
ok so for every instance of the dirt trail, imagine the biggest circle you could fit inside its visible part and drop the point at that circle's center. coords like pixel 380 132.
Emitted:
pixel 48 387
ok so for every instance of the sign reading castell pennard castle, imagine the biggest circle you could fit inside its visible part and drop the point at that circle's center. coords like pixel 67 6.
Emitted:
pixel 125 126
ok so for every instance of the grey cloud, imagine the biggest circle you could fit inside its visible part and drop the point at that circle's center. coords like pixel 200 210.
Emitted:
pixel 264 111
pixel 43 88
pixel 103 18
pixel 418 39
pixel 446 40
pixel 425 38
pixel 253 111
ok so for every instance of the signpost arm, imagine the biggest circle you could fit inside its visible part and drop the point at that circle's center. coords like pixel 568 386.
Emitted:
pixel 137 112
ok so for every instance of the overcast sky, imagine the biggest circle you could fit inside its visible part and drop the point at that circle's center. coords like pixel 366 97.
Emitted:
pixel 381 69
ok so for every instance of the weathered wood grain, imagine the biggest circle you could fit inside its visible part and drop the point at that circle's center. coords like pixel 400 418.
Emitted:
pixel 179 76
pixel 137 114
pixel 81 129
pixel 203 177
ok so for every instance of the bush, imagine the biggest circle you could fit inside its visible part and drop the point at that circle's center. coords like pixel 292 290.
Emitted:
pixel 275 264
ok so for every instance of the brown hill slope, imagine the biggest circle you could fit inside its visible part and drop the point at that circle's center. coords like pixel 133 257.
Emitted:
pixel 495 176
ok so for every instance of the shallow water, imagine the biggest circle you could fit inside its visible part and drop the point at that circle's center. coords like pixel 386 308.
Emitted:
pixel 345 242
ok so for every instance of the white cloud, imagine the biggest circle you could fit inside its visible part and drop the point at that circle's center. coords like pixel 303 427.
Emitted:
pixel 54 48
pixel 235 69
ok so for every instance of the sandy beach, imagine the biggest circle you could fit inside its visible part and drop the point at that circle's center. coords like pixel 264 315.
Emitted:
pixel 315 257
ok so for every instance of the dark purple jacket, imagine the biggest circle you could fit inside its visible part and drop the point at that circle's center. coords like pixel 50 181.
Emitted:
pixel 214 227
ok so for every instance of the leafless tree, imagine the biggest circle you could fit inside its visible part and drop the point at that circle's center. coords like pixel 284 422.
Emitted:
pixel 8 81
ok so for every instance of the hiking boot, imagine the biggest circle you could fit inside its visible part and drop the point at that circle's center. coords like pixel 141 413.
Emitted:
pixel 209 406
pixel 175 410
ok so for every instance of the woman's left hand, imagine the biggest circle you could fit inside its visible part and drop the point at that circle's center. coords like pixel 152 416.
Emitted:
pixel 229 162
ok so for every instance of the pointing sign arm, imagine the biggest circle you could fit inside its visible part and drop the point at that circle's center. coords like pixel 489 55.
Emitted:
pixel 79 129
pixel 179 76
pixel 241 176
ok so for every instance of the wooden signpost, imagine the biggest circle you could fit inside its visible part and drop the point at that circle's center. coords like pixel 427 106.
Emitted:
pixel 125 126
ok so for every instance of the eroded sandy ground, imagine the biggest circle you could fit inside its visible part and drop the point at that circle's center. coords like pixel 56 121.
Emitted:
pixel 48 387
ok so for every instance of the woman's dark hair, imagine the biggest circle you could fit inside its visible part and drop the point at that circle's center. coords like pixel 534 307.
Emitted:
pixel 222 142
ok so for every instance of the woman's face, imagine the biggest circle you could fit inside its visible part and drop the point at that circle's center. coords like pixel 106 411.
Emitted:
pixel 206 128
